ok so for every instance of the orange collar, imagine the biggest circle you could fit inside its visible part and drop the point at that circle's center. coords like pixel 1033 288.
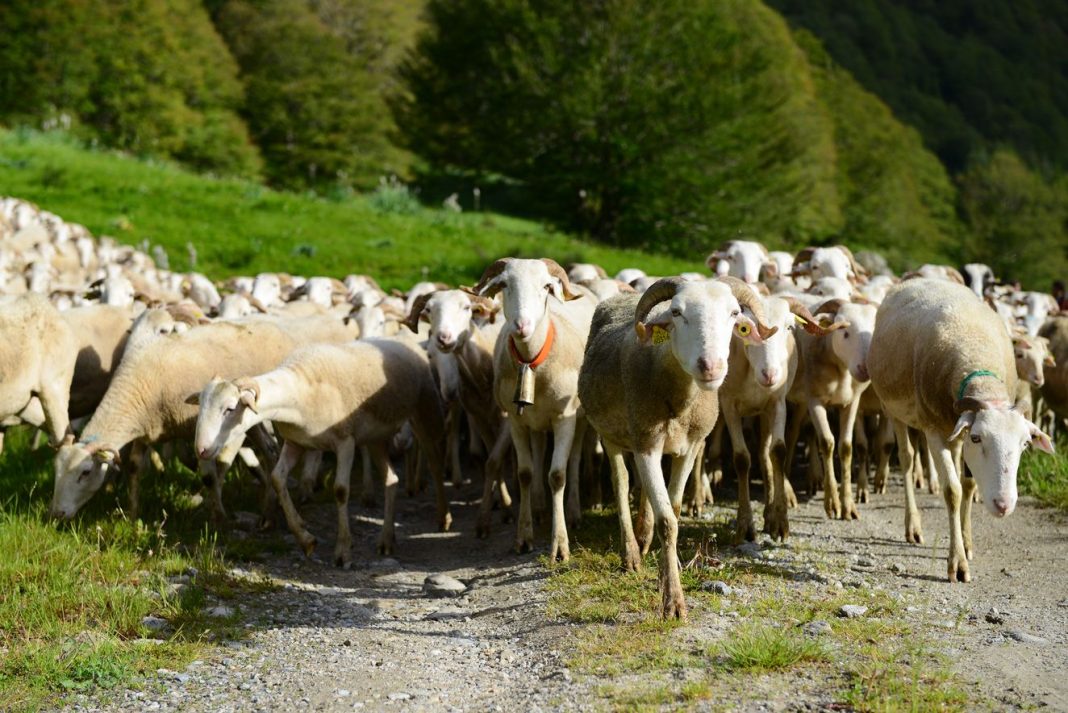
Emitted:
pixel 542 355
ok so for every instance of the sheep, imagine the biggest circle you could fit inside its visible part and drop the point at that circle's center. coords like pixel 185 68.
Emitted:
pixel 776 271
pixel 333 397
pixel 745 258
pixel 942 363
pixel 581 273
pixel 835 261
pixel 1032 356
pixel 147 397
pixel 453 331
pixel 1055 387
pixel 629 274
pixel 946 273
pixel 38 352
pixel 101 334
pixel 656 394
pixel 1036 308
pixel 834 372
pixel 759 376
pixel 978 277
pixel 544 334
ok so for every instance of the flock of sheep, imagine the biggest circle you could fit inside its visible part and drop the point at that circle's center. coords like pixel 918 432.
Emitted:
pixel 110 354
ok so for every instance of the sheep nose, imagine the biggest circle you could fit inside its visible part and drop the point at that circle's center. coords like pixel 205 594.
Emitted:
pixel 1001 506
pixel 770 376
pixel 523 327
pixel 862 372
pixel 709 370
pixel 445 339
pixel 202 453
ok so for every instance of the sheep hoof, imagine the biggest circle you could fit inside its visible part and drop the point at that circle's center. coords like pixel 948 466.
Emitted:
pixel 745 531
pixel 862 496
pixel 958 569
pixel 632 559
pixel 849 511
pixel 913 535
pixel 342 560
pixel 445 523
pixel 559 552
pixel 776 523
pixel 523 546
pixel 308 545
pixel 674 604
pixel 832 507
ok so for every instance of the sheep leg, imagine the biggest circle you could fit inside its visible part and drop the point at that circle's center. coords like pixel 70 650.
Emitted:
pixel 863 456
pixel 968 487
pixel 367 496
pixel 743 523
pixel 574 460
pixel 54 398
pixel 793 434
pixel 715 460
pixel 563 438
pixel 825 442
pixel 494 478
pixel 697 504
pixel 309 475
pixel 521 440
pixel 428 428
pixel 952 492
pixel 286 460
pixel 346 454
pixel 673 604
pixel 932 471
pixel 209 472
pixel 452 442
pixel 644 527
pixel 537 478
pixel 845 451
pixel 913 525
pixel 918 466
pixel 475 447
pixel 776 520
pixel 884 444
pixel 632 558
pixel 137 454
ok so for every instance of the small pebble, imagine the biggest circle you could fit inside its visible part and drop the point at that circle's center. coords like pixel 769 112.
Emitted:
pixel 1025 638
pixel 852 611
pixel 817 628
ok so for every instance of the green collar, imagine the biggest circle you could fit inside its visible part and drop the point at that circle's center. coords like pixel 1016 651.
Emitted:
pixel 969 377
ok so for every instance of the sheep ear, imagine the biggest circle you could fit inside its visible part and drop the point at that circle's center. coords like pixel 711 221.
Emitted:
pixel 1040 440
pixel 963 423
pixel 656 331
pixel 1049 361
pixel 193 399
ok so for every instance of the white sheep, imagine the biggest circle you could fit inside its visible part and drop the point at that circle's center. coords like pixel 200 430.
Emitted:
pixel 744 258
pixel 942 363
pixel 655 394
pixel 978 277
pixel 835 261
pixel 335 397
pixel 544 332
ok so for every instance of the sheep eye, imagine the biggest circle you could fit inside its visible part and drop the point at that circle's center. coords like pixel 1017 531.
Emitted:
pixel 676 312
pixel 976 439
pixel 845 335
pixel 467 307
pixel 1019 355
pixel 228 410
pixel 549 287
pixel 735 313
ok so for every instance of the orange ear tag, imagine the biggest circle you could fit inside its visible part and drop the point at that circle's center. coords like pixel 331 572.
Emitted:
pixel 660 335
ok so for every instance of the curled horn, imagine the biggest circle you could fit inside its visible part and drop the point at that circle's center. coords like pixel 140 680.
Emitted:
pixel 247 384
pixel 485 303
pixel 748 297
pixel 558 272
pixel 830 306
pixel 412 320
pixel 660 291
pixel 810 324
pixel 486 286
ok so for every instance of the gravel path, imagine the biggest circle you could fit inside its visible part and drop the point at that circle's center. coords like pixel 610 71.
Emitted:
pixel 372 639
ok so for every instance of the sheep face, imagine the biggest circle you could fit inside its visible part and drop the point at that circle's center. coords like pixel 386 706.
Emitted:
pixel 1036 308
pixel 770 360
pixel 117 292
pixel 320 291
pixel 1032 356
pixel 701 318
pixel 583 273
pixel 80 471
pixel 978 277
pixel 527 287
pixel 993 439
pixel 745 258
pixel 226 412
pixel 450 314
pixel 831 262
pixel 267 288
pixel 371 321
pixel 852 342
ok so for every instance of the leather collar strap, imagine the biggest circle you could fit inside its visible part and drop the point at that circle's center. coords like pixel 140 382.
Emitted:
pixel 969 377
pixel 542 355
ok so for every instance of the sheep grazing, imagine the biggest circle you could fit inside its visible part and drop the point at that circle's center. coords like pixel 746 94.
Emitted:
pixel 978 277
pixel 536 366
pixel 942 363
pixel 147 397
pixel 656 394
pixel 744 259
pixel 335 397
pixel 38 352
pixel 834 373
pixel 759 376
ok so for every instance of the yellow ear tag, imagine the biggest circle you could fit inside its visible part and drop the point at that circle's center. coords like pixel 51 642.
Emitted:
pixel 660 335
pixel 743 329
pixel 800 320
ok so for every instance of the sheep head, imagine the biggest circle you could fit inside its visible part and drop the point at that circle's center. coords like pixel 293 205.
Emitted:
pixel 527 286
pixel 228 409
pixel 80 469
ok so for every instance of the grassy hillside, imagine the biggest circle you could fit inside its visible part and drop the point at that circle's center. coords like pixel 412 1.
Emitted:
pixel 239 227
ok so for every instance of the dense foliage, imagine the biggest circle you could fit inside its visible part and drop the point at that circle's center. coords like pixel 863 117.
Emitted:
pixel 675 124
pixel 966 73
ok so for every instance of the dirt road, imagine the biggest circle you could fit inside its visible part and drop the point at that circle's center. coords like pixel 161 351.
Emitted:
pixel 372 639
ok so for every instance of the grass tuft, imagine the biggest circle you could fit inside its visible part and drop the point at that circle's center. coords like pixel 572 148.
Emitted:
pixel 767 648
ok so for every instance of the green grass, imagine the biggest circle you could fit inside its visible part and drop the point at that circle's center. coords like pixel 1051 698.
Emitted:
pixel 1045 476
pixel 239 227
pixel 73 596
pixel 884 661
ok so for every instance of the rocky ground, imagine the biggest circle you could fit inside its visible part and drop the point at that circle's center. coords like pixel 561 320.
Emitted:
pixel 377 637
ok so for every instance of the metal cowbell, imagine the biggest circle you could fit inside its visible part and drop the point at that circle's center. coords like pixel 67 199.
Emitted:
pixel 524 388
